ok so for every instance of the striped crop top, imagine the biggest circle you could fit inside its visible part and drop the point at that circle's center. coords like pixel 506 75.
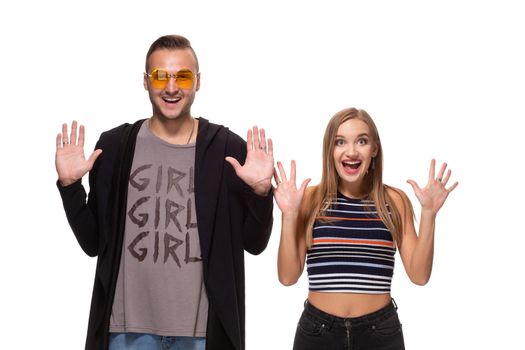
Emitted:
pixel 352 250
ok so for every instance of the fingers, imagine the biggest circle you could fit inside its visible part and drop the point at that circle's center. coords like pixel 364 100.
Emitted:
pixel 59 141
pixel 441 177
pixel 249 141
pixel 445 181
pixel 65 139
pixel 262 145
pixel 282 173
pixel 256 138
pixel 93 157
pixel 270 147
pixel 432 171
pixel 81 134
pixel 304 184
pixel 234 163
pixel 414 185
pixel 276 177
pixel 447 176
pixel 441 172
pixel 73 138
pixel 452 187
pixel 292 171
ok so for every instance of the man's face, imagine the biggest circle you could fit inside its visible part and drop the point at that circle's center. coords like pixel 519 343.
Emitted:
pixel 172 101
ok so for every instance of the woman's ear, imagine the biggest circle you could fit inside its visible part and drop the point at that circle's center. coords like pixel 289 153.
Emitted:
pixel 376 150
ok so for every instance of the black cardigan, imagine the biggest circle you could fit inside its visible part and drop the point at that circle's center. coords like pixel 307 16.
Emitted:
pixel 231 218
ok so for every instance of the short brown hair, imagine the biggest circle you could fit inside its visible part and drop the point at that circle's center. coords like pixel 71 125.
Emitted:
pixel 171 42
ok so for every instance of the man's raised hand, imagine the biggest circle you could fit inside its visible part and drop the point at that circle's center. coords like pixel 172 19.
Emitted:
pixel 70 161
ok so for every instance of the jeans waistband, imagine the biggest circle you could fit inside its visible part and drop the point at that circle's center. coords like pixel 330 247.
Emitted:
pixel 367 319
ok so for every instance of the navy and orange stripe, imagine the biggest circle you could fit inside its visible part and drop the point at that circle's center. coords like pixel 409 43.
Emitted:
pixel 352 250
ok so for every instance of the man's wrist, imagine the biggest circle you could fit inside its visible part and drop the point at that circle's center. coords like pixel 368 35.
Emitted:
pixel 66 182
pixel 262 190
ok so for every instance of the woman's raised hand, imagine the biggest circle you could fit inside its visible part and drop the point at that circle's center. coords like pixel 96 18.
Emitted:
pixel 286 193
pixel 433 195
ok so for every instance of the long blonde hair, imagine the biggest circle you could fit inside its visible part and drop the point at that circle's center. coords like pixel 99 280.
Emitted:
pixel 325 193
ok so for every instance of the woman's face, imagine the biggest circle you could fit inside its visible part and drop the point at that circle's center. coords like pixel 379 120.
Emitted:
pixel 353 153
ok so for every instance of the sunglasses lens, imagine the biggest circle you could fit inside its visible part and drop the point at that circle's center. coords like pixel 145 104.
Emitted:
pixel 159 78
pixel 185 79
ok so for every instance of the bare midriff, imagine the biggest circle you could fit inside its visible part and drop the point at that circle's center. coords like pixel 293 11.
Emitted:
pixel 347 305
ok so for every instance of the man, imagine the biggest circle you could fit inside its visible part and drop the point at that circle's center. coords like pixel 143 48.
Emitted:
pixel 167 217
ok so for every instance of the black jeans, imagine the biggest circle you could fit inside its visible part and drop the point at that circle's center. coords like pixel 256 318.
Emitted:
pixel 378 330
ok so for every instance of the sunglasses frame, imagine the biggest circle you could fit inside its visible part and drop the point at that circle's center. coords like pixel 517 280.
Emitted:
pixel 172 75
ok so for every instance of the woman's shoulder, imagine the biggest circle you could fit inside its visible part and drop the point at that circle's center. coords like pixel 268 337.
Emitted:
pixel 310 190
pixel 398 197
pixel 312 194
pixel 307 202
pixel 394 192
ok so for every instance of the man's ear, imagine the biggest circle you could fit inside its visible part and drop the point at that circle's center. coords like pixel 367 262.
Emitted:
pixel 198 86
pixel 146 81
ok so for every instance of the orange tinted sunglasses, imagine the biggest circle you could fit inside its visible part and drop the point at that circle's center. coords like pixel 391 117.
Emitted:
pixel 159 78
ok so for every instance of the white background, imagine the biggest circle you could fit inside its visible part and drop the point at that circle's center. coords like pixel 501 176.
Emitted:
pixel 441 79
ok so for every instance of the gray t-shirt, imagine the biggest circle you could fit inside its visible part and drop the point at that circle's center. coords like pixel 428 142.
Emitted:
pixel 160 287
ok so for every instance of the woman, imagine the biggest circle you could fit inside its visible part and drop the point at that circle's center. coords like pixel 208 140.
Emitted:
pixel 348 229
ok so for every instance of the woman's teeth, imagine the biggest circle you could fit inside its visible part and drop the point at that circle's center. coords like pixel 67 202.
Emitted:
pixel 352 164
